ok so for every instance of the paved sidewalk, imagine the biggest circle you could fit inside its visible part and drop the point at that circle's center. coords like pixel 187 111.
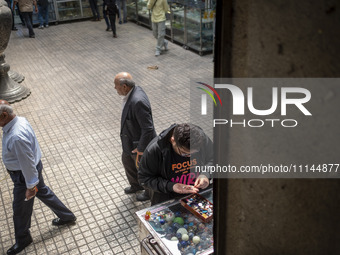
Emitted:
pixel 75 112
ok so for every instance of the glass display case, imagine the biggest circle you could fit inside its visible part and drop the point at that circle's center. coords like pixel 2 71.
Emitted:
pixel 64 10
pixel 86 9
pixel 143 14
pixel 175 229
pixel 69 9
pixel 177 22
pixel 131 8
pixel 76 9
pixel 192 24
pixel 200 30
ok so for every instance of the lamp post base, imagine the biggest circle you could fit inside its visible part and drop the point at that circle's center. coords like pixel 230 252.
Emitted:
pixel 10 90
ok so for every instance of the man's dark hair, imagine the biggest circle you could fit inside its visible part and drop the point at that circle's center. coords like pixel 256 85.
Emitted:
pixel 188 136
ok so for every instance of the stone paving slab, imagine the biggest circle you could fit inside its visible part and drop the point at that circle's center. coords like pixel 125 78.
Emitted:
pixel 75 112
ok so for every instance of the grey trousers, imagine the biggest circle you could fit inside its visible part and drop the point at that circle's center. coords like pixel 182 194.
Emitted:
pixel 159 33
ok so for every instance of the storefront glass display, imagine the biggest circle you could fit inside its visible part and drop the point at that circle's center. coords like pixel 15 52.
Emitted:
pixel 87 12
pixel 178 22
pixel 192 23
pixel 131 8
pixel 176 230
pixel 87 9
pixel 63 10
pixel 144 16
pixel 69 9
pixel 199 27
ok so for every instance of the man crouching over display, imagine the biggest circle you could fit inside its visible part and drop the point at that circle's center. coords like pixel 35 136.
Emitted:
pixel 168 163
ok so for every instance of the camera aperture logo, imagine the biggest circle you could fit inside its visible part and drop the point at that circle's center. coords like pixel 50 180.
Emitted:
pixel 238 106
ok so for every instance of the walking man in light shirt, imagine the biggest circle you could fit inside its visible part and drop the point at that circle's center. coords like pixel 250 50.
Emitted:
pixel 159 8
pixel 21 156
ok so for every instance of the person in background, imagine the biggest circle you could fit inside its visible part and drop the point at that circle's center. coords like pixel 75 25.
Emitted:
pixel 9 3
pixel 111 11
pixel 168 163
pixel 136 131
pixel 108 27
pixel 159 8
pixel 94 9
pixel 122 5
pixel 20 16
pixel 43 13
pixel 21 156
pixel 26 9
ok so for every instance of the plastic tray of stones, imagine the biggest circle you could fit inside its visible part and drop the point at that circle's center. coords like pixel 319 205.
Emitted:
pixel 201 207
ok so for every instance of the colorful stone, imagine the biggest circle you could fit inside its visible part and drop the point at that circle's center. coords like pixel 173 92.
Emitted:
pixel 179 220
pixel 196 239
pixel 185 237
pixel 182 231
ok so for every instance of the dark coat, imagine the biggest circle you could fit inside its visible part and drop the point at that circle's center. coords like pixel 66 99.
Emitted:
pixel 155 165
pixel 137 128
pixel 111 7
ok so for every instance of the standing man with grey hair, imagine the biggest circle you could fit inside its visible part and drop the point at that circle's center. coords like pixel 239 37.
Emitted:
pixel 137 129
pixel 159 8
pixel 21 156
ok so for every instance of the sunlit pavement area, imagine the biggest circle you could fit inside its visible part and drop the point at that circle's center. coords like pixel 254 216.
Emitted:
pixel 75 112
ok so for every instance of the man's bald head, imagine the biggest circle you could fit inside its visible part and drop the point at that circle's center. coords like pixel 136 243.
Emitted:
pixel 3 102
pixel 6 113
pixel 123 83
pixel 123 75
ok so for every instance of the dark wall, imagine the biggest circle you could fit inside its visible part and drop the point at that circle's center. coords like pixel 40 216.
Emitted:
pixel 276 216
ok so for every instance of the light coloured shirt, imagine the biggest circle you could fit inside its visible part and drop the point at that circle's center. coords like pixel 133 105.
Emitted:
pixel 20 149
pixel 158 8
pixel 125 98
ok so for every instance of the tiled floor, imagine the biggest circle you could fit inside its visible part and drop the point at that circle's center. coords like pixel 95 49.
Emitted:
pixel 75 112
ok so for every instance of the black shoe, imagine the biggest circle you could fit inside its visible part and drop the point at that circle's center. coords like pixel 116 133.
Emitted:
pixel 32 36
pixel 16 248
pixel 131 190
pixel 115 36
pixel 14 29
pixel 142 196
pixel 60 222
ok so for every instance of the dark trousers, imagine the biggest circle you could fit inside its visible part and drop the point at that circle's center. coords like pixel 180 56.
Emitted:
pixel 94 9
pixel 20 15
pixel 113 23
pixel 106 18
pixel 27 16
pixel 22 210
pixel 43 15
pixel 131 171
pixel 129 163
